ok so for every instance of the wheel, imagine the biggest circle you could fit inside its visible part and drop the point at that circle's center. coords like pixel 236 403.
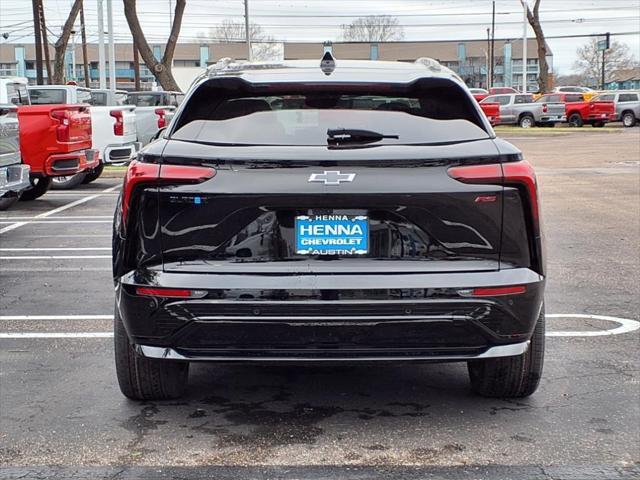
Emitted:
pixel 7 200
pixel 628 119
pixel 575 120
pixel 144 378
pixel 67 183
pixel 94 174
pixel 597 124
pixel 39 187
pixel 526 121
pixel 517 376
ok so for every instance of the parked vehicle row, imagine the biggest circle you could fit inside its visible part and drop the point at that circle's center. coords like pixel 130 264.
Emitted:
pixel 64 135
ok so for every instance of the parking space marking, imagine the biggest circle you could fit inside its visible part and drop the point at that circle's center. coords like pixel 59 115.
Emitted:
pixel 4 222
pixel 53 249
pixel 52 257
pixel 63 217
pixel 56 317
pixel 626 325
pixel 60 209
pixel 58 335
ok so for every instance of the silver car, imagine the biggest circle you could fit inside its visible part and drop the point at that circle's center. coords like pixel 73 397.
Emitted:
pixel 627 105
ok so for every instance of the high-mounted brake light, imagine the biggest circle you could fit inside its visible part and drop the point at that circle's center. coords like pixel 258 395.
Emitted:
pixel 142 173
pixel 162 122
pixel 170 292
pixel 493 291
pixel 118 127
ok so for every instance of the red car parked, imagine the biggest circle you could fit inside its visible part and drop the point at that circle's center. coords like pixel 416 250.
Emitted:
pixel 55 140
pixel 596 113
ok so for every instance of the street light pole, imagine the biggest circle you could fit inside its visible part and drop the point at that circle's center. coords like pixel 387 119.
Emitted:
pixel 524 46
pixel 247 32
pixel 112 50
pixel 101 60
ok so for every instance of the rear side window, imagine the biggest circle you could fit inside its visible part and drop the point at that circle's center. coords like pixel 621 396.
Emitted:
pixel 574 98
pixel 501 99
pixel 604 98
pixel 17 94
pixel 98 98
pixel 145 100
pixel 47 96
pixel 523 99
pixel 301 115
pixel 628 97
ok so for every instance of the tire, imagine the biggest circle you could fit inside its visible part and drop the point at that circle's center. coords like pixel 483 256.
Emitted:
pixel 628 119
pixel 67 183
pixel 94 174
pixel 517 376
pixel 8 200
pixel 39 186
pixel 575 120
pixel 142 378
pixel 526 121
pixel 597 124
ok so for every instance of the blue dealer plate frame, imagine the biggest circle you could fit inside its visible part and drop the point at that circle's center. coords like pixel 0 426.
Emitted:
pixel 334 234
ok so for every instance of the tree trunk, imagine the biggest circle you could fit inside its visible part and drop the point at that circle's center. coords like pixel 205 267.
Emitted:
pixel 161 69
pixel 534 21
pixel 61 44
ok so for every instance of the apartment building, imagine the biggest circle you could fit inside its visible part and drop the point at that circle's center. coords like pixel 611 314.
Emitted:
pixel 469 58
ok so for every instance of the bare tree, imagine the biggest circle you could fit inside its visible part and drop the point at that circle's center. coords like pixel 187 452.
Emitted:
pixel 161 69
pixel 543 49
pixel 263 47
pixel 589 60
pixel 60 46
pixel 373 28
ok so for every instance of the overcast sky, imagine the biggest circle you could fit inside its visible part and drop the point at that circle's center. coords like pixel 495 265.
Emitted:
pixel 318 20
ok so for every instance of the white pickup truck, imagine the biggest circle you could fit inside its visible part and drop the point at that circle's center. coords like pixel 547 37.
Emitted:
pixel 154 110
pixel 113 123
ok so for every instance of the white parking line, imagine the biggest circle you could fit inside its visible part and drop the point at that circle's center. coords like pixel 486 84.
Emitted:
pixel 52 257
pixel 62 217
pixel 59 209
pixel 626 325
pixel 57 335
pixel 57 221
pixel 56 249
pixel 56 317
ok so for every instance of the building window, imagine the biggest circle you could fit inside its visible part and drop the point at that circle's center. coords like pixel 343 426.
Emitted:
pixel 461 51
pixel 204 55
pixel 373 55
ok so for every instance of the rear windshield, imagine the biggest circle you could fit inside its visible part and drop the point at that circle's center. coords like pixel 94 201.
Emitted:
pixel 47 96
pixel 437 115
pixel 145 99
pixel 17 93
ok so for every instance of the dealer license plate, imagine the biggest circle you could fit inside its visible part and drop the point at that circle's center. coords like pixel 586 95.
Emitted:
pixel 332 234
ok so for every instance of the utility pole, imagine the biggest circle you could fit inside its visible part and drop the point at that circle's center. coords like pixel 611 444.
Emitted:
pixel 493 39
pixel 38 40
pixel 45 42
pixel 488 55
pixel 247 32
pixel 87 79
pixel 524 45
pixel 112 49
pixel 101 60
pixel 136 65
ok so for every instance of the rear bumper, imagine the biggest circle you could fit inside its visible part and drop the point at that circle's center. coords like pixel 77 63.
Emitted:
pixel 120 153
pixel 14 178
pixel 323 318
pixel 64 164
pixel 553 118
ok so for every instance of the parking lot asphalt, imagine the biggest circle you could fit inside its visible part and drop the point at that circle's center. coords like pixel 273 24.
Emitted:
pixel 62 415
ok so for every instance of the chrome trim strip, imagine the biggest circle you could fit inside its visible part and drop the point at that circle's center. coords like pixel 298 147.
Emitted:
pixel 171 354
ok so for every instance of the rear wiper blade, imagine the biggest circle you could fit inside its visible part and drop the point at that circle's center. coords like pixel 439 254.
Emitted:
pixel 350 135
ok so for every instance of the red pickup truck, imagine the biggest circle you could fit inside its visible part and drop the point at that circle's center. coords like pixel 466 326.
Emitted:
pixel 492 111
pixel 55 140
pixel 579 111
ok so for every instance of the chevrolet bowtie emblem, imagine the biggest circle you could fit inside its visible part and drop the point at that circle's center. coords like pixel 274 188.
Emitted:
pixel 332 177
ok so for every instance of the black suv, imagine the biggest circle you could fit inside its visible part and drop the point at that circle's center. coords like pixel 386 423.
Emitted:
pixel 334 211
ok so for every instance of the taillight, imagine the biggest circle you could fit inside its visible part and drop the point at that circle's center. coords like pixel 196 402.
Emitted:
pixel 141 173
pixel 162 122
pixel 170 292
pixel 118 127
pixel 544 108
pixel 62 129
pixel 519 174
